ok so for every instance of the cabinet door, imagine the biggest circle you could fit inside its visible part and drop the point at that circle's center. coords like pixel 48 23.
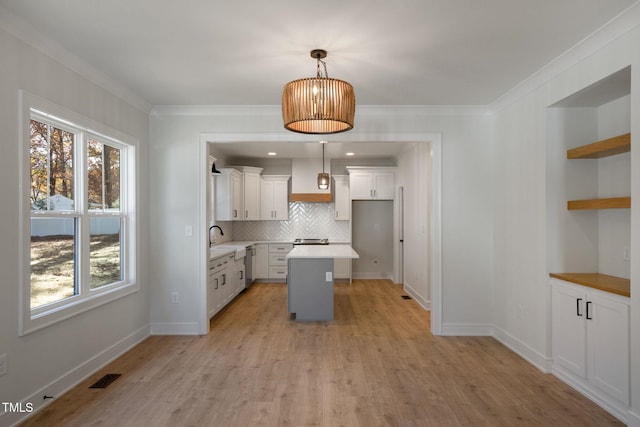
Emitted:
pixel 266 200
pixel 361 186
pixel 568 328
pixel 251 196
pixel 383 185
pixel 281 200
pixel 342 268
pixel 261 258
pixel 342 202
pixel 608 345
pixel 237 197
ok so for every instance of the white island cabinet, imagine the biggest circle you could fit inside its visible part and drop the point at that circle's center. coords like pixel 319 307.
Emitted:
pixel 310 280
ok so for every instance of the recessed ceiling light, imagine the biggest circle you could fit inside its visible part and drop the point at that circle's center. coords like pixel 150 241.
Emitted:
pixel 271 153
pixel 349 154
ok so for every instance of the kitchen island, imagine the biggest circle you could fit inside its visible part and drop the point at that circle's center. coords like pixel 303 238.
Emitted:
pixel 310 280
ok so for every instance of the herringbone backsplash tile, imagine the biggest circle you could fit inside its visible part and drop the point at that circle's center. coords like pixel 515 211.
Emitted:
pixel 306 221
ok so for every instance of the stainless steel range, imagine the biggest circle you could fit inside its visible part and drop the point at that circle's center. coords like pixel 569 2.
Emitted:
pixel 310 242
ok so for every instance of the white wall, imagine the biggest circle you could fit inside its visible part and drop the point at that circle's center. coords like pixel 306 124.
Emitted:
pixel 521 302
pixel 466 210
pixel 51 359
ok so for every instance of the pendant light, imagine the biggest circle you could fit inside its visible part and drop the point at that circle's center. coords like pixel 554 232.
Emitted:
pixel 318 105
pixel 323 178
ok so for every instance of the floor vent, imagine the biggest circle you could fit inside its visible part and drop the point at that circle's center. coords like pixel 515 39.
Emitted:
pixel 406 297
pixel 105 381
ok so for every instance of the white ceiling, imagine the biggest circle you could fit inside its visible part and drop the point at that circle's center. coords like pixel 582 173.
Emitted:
pixel 402 52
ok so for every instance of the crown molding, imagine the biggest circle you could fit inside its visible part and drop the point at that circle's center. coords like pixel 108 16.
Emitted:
pixel 28 34
pixel 361 110
pixel 623 23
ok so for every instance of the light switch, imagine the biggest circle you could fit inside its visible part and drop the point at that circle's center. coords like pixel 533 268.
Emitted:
pixel 329 276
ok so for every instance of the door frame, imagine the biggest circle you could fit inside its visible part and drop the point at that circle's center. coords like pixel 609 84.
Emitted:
pixel 435 243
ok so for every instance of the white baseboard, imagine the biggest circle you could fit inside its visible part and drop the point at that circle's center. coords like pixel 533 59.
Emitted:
pixel 72 378
pixel 467 329
pixel 371 275
pixel 633 419
pixel 613 407
pixel 532 356
pixel 416 296
pixel 174 328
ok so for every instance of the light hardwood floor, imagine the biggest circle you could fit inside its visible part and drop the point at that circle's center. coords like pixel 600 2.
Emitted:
pixel 375 365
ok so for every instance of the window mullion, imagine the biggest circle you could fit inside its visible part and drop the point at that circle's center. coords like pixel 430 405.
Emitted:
pixel 82 208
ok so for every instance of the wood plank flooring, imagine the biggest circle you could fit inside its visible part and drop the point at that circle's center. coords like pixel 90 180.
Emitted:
pixel 375 365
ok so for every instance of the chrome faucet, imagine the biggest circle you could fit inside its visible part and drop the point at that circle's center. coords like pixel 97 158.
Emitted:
pixel 214 226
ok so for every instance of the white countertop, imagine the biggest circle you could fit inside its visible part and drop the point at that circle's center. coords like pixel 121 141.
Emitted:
pixel 323 251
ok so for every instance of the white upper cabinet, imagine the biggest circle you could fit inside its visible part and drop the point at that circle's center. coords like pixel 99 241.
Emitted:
pixel 371 183
pixel 251 192
pixel 341 199
pixel 274 197
pixel 228 195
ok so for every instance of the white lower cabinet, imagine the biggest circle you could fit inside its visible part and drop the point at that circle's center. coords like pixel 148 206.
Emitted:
pixel 590 342
pixel 219 283
pixel 271 260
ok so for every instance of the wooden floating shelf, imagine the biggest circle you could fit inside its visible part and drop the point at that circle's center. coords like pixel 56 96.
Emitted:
pixel 612 203
pixel 607 147
pixel 603 282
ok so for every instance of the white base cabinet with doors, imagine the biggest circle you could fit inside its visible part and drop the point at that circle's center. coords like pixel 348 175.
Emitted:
pixel 371 183
pixel 274 197
pixel 590 343
pixel 220 283
pixel 271 261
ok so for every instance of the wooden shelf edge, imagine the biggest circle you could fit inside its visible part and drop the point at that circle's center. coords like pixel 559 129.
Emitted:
pixel 607 147
pixel 603 282
pixel 610 203
pixel 311 197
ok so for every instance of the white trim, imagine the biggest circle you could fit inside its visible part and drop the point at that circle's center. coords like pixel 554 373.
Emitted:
pixel 633 419
pixel 175 328
pixel 426 305
pixel 372 275
pixel 624 22
pixel 467 329
pixel 27 33
pixel 362 110
pixel 612 406
pixel 69 380
pixel 436 218
pixel 31 320
pixel 523 350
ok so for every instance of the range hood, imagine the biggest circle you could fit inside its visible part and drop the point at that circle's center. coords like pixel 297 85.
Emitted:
pixel 304 180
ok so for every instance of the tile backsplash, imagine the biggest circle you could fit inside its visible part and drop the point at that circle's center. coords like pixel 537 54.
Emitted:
pixel 306 221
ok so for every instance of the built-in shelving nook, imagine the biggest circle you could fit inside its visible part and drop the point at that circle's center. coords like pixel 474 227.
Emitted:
pixel 588 183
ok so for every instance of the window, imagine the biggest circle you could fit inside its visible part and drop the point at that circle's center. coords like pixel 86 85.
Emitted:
pixel 79 240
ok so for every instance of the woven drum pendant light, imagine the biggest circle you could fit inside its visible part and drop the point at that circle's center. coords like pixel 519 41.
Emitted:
pixel 318 105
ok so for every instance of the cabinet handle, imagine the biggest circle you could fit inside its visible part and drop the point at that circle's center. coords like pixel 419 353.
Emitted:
pixel 235 213
pixel 578 307
pixel 224 279
pixel 588 305
pixel 246 214
pixel 241 275
pixel 216 284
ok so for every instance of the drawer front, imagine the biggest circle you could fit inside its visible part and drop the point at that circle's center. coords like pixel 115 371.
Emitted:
pixel 278 259
pixel 278 272
pixel 280 247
